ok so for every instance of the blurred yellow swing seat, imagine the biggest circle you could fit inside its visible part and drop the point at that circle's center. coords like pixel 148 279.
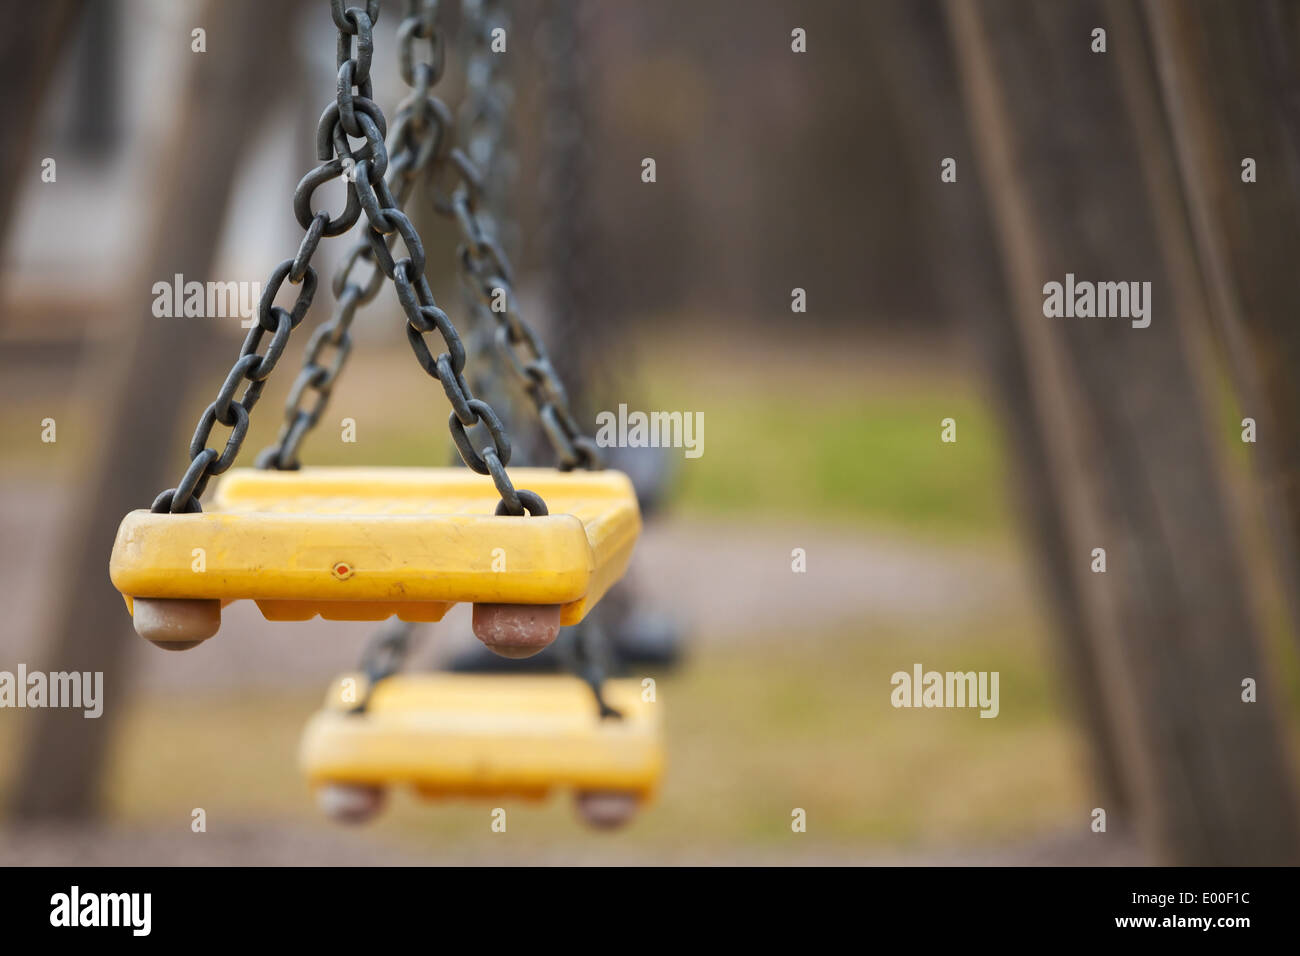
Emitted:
pixel 363 544
pixel 454 735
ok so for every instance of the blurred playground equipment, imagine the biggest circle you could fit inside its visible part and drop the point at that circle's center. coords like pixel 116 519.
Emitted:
pixel 483 736
pixel 358 544
pixel 912 191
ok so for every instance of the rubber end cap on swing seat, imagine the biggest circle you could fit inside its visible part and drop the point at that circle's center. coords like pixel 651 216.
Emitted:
pixel 516 630
pixel 176 624
pixel 351 803
pixel 606 809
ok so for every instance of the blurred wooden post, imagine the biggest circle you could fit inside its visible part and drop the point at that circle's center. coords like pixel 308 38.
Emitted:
pixel 31 53
pixel 137 395
pixel 1170 625
pixel 912 46
pixel 1231 91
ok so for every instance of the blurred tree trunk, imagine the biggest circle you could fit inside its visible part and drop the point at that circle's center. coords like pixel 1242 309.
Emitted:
pixel 911 43
pixel 1170 624
pixel 31 55
pixel 1228 74
pixel 139 395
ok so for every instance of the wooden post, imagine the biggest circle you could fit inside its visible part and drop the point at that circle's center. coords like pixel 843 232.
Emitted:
pixel 1231 93
pixel 32 52
pixel 1170 624
pixel 913 50
pixel 137 392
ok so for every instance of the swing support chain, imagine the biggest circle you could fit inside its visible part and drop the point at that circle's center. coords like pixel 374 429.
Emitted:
pixel 591 662
pixel 384 218
pixel 483 124
pixel 482 121
pixel 357 115
pixel 418 126
pixel 486 278
pixel 384 656
pixel 252 367
pixel 484 267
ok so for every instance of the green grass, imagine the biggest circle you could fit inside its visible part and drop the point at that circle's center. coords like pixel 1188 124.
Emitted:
pixel 875 458
pixel 819 443
pixel 822 447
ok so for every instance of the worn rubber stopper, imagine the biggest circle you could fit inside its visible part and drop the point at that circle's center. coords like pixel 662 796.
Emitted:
pixel 176 624
pixel 605 809
pixel 350 803
pixel 516 630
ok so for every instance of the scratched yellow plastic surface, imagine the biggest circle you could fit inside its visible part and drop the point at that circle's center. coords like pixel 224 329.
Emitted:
pixel 366 543
pixel 470 735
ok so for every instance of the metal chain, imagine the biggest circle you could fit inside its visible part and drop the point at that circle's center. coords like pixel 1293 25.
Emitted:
pixel 253 367
pixel 486 120
pixel 484 267
pixel 413 141
pixel 482 124
pixel 355 114
pixel 385 655
pixel 589 659
pixel 486 273
pixel 384 218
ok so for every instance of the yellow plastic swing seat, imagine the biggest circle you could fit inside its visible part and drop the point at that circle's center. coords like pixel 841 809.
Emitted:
pixel 452 735
pixel 363 544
